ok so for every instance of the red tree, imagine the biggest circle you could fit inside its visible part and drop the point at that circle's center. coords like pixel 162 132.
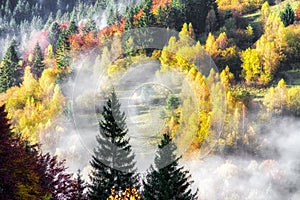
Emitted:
pixel 18 165
pixel 298 13
pixel 54 179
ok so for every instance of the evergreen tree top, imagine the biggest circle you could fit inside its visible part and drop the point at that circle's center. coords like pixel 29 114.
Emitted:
pixel 11 53
pixel 113 160
pixel 166 180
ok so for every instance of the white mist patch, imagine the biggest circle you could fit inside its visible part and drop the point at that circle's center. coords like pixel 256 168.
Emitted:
pixel 241 178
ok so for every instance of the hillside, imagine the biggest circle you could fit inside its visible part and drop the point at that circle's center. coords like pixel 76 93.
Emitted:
pixel 202 96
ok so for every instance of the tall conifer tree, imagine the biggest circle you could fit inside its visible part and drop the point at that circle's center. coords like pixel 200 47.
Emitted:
pixel 113 161
pixel 10 70
pixel 170 181
pixel 38 65
pixel 62 57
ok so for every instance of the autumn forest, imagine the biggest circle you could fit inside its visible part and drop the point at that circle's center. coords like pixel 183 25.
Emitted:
pixel 149 99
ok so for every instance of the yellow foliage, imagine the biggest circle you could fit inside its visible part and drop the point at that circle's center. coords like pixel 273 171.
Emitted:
pixel 29 83
pixel 156 54
pixel 114 70
pixel 186 35
pixel 49 56
pixel 249 30
pixel 251 66
pixel 265 12
pixel 30 57
pixel 222 41
pixel 128 194
pixel 275 31
pixel 226 77
pixel 211 45
pixel 277 98
pixel 31 105
pixel 294 100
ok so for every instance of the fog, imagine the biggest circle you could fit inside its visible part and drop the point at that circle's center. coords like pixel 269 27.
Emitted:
pixel 275 175
pixel 233 177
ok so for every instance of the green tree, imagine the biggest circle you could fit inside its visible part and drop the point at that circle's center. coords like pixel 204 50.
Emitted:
pixel 90 26
pixel 148 16
pixel 10 69
pixel 113 161
pixel 129 19
pixel 113 16
pixel 72 29
pixel 37 65
pixel 102 4
pixel 172 102
pixel 167 180
pixel 288 15
pixel 54 33
pixel 62 56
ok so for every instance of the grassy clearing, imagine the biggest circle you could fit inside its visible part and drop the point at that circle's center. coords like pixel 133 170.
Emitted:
pixel 254 17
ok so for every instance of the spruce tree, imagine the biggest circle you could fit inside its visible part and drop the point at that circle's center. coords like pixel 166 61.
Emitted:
pixel 170 181
pixel 129 19
pixel 90 26
pixel 102 4
pixel 37 65
pixel 72 29
pixel 10 70
pixel 288 15
pixel 62 57
pixel 111 17
pixel 54 33
pixel 113 161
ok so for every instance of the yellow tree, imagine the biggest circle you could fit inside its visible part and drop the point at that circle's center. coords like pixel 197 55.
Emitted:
pixel 276 100
pixel 191 31
pixel 49 57
pixel 222 41
pixel 186 35
pixel 269 59
pixel 275 31
pixel 251 66
pixel 265 12
pixel 294 100
pixel 116 47
pixel 211 45
pixel 35 105
pixel 226 77
pixel 180 54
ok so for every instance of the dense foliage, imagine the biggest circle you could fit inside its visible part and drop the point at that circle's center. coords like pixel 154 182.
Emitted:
pixel 46 45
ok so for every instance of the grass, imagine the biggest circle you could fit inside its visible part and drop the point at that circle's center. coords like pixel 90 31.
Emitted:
pixel 274 9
